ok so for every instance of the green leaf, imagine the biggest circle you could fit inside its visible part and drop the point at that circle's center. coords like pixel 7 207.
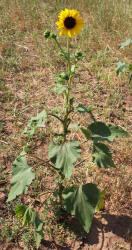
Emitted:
pixel 127 43
pixel 73 69
pixel 65 76
pixel 121 67
pixel 35 123
pixel 116 131
pixel 60 83
pixel 62 77
pixel 24 213
pixel 38 226
pixel 81 202
pixel 74 126
pixel 20 211
pixel 81 109
pixel 99 130
pixel 78 55
pixel 64 155
pixel 87 132
pixel 59 79
pixel 22 176
pixel 130 67
pixel 71 101
pixel 28 216
pixel 59 89
pixel 102 155
pixel 102 131
pixel 25 150
pixel 56 111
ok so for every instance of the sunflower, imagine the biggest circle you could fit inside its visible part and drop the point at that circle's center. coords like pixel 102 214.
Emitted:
pixel 70 23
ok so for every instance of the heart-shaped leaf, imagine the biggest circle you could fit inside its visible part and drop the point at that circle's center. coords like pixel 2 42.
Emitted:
pixel 102 155
pixel 38 228
pixel 22 176
pixel 35 123
pixel 102 131
pixel 64 155
pixel 81 202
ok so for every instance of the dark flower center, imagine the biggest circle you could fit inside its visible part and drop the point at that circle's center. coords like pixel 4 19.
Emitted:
pixel 69 22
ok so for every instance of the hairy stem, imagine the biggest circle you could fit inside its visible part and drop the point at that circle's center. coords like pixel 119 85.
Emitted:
pixel 61 187
pixel 67 93
pixel 61 49
pixel 130 79
pixel 44 162
pixel 57 117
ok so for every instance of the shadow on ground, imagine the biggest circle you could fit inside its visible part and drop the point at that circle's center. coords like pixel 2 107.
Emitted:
pixel 120 226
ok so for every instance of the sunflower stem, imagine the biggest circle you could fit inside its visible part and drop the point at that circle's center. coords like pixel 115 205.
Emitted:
pixel 59 46
pixel 67 93
pixel 68 52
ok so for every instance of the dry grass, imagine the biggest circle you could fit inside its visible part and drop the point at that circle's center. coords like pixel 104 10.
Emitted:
pixel 27 70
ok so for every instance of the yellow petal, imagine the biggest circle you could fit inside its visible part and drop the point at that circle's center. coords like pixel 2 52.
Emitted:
pixel 64 30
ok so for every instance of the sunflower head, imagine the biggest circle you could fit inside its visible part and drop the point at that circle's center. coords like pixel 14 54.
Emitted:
pixel 70 23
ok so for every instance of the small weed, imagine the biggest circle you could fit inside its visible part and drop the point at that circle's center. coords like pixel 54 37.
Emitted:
pixel 28 239
pixel 9 233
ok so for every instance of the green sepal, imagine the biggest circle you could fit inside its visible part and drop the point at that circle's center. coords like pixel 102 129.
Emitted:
pixel 47 34
pixel 64 155
pixel 35 123
pixel 102 156
pixel 53 35
pixel 81 202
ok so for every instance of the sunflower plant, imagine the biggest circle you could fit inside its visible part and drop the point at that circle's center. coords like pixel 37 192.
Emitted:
pixel 80 201
pixel 124 66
